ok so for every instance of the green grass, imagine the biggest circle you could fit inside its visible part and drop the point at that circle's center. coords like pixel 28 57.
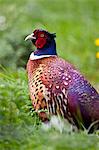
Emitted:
pixel 20 129
pixel 76 25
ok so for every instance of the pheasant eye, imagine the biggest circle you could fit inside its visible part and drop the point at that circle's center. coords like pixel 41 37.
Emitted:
pixel 42 35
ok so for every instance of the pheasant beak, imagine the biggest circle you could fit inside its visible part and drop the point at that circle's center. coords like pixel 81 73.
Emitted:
pixel 30 37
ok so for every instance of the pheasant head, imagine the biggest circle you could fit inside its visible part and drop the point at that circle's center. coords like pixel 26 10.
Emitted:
pixel 43 41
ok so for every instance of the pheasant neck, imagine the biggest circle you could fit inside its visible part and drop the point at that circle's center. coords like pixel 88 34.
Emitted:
pixel 47 50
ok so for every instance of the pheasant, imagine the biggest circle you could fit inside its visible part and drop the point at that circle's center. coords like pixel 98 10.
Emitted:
pixel 57 86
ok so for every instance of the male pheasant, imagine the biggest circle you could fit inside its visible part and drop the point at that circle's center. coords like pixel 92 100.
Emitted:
pixel 57 86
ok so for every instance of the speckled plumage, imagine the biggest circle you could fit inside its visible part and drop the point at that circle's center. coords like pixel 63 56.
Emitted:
pixel 48 83
pixel 56 85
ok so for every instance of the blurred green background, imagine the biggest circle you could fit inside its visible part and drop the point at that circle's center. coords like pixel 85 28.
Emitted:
pixel 76 23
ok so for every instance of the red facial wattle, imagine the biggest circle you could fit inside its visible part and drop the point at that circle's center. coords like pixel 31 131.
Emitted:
pixel 40 42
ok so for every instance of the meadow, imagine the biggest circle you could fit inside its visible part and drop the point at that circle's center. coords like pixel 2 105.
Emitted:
pixel 76 24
